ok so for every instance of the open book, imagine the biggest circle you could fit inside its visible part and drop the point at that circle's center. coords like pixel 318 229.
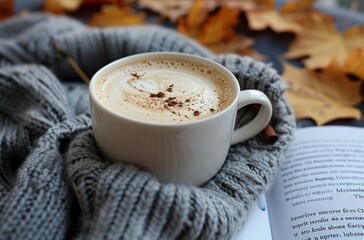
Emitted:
pixel 318 192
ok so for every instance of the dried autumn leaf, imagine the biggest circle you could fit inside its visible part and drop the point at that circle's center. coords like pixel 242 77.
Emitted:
pixel 6 8
pixel 243 5
pixel 215 30
pixel 191 24
pixel 209 29
pixel 266 3
pixel 170 9
pixel 353 37
pixel 98 2
pixel 173 10
pixel 53 6
pixel 262 19
pixel 197 15
pixel 112 15
pixel 246 5
pixel 236 45
pixel 279 21
pixel 240 45
pixel 297 6
pixel 322 43
pixel 219 27
pixel 354 63
pixel 322 96
pixel 60 6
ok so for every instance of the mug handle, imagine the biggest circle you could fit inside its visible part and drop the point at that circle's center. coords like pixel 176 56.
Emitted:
pixel 259 122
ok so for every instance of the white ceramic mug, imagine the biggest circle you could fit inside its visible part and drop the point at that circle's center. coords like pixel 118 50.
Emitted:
pixel 189 152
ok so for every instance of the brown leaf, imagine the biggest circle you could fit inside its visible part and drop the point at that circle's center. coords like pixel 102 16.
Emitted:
pixel 239 45
pixel 354 63
pixel 322 43
pixel 219 27
pixel 246 5
pixel 170 9
pixel 216 30
pixel 191 24
pixel 236 45
pixel 279 21
pixel 112 15
pixel 197 15
pixel 297 6
pixel 209 28
pixel 6 8
pixel 60 6
pixel 322 96
pixel 262 19
pixel 266 3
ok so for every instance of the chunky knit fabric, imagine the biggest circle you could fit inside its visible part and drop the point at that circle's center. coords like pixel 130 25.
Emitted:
pixel 53 182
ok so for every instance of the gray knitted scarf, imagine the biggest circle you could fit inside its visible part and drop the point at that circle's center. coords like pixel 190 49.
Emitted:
pixel 53 182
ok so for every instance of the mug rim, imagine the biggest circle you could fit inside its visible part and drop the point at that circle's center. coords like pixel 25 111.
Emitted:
pixel 185 56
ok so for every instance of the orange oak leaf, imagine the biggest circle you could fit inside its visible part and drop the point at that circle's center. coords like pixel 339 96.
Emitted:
pixel 322 43
pixel 112 15
pixel 322 96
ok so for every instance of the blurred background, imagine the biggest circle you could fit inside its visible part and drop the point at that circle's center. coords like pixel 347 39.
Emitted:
pixel 19 5
pixel 344 3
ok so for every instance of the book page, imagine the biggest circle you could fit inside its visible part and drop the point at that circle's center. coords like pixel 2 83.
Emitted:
pixel 257 225
pixel 319 190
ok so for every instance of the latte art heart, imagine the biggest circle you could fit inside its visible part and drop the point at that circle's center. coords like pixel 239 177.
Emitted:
pixel 165 91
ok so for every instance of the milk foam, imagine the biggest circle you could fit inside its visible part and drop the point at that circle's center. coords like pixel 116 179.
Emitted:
pixel 165 91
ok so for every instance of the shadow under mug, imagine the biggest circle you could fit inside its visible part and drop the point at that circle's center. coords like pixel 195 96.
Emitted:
pixel 188 153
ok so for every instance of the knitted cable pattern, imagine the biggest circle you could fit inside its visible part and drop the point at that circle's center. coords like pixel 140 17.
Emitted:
pixel 54 184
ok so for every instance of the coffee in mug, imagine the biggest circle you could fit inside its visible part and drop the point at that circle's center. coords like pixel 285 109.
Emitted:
pixel 171 114
pixel 170 91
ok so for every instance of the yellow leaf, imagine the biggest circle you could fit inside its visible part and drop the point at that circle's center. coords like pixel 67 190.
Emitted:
pixel 112 15
pixel 322 43
pixel 322 96
pixel 262 19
